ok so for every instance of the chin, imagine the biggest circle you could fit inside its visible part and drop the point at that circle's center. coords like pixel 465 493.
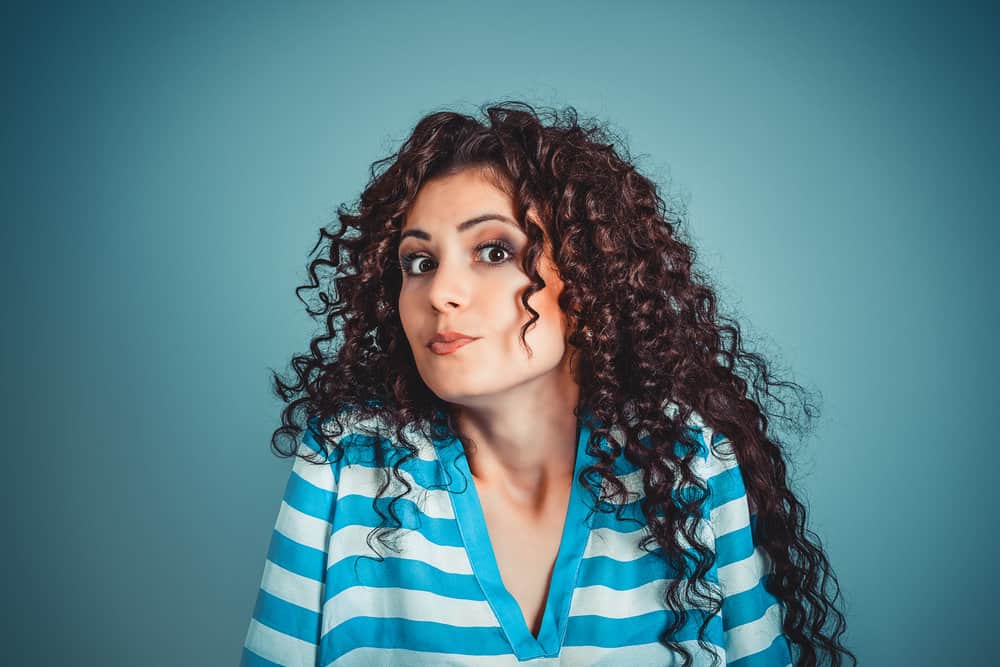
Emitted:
pixel 464 389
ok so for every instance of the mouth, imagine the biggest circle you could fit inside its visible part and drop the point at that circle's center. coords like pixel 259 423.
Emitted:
pixel 442 348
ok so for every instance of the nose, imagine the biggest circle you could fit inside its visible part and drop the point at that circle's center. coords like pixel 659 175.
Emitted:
pixel 450 287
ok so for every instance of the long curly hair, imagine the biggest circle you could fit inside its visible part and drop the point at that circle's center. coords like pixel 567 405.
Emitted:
pixel 644 324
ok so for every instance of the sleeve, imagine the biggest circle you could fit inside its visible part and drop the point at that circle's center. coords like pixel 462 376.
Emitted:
pixel 286 625
pixel 751 616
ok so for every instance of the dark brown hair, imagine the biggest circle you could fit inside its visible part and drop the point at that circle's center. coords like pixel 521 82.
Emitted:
pixel 645 325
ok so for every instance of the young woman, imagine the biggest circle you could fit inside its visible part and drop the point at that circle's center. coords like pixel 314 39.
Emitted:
pixel 524 385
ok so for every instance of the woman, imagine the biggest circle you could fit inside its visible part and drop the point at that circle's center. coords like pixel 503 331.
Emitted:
pixel 522 382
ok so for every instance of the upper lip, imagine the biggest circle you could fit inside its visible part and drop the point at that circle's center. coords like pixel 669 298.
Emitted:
pixel 447 337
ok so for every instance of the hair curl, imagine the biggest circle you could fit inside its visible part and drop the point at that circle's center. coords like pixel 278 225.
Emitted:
pixel 645 327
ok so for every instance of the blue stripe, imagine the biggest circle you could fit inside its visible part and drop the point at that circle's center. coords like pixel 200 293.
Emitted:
pixel 626 575
pixel 412 635
pixel 373 452
pixel 286 617
pixel 776 655
pixel 417 575
pixel 589 630
pixel 309 498
pixel 747 606
pixel 425 473
pixel 295 557
pixel 356 510
pixel 733 546
pixel 726 486
pixel 308 437
pixel 361 451
pixel 251 659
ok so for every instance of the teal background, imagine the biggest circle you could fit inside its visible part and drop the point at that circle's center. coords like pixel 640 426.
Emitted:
pixel 168 168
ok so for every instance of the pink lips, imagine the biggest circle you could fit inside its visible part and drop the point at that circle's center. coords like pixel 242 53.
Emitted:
pixel 450 346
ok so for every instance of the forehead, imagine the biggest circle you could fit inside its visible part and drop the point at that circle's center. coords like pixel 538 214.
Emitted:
pixel 448 199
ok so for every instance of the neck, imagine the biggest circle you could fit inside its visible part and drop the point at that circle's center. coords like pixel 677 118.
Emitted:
pixel 524 444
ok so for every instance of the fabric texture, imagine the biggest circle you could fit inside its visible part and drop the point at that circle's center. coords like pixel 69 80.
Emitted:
pixel 438 598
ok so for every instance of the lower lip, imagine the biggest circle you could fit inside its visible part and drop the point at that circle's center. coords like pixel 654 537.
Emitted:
pixel 448 348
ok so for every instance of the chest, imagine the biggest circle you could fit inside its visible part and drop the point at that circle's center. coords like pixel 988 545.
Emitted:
pixel 525 548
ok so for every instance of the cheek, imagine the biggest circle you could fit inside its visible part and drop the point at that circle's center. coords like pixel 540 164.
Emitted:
pixel 546 302
pixel 549 331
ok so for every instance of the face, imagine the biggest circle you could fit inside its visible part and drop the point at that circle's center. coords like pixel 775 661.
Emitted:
pixel 467 278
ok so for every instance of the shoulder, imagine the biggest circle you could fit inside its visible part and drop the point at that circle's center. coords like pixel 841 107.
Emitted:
pixel 715 449
pixel 714 452
pixel 714 462
pixel 718 464
pixel 321 446
pixel 368 437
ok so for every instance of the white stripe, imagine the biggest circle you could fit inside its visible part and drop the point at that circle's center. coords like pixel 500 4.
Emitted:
pixel 755 636
pixel 291 587
pixel 405 603
pixel 303 528
pixel 625 546
pixel 278 647
pixel 360 480
pixel 643 655
pixel 715 463
pixel 607 602
pixel 617 545
pixel 731 516
pixel 633 488
pixel 319 475
pixel 351 541
pixel 744 574
pixel 397 657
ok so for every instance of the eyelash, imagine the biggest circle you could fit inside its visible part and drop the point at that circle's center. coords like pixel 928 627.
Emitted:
pixel 406 263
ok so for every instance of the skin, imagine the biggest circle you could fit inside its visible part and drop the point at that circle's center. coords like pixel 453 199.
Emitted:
pixel 518 410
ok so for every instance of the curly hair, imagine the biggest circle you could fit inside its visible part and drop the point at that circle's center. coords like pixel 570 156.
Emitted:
pixel 645 327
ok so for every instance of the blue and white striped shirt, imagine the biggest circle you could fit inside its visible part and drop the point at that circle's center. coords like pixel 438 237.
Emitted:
pixel 441 599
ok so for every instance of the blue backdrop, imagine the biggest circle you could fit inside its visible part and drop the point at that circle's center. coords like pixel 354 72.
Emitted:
pixel 168 169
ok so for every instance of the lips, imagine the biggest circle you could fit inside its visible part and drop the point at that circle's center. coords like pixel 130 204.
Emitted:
pixel 442 347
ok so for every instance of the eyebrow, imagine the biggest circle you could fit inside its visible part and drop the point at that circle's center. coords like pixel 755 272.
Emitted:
pixel 471 222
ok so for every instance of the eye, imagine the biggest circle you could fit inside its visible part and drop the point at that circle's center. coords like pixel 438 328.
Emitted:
pixel 409 261
pixel 412 264
pixel 496 246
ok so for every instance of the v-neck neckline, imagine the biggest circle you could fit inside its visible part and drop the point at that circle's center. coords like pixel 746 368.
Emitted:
pixel 472 527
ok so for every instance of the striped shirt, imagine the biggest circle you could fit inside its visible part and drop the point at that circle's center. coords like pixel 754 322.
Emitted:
pixel 438 597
